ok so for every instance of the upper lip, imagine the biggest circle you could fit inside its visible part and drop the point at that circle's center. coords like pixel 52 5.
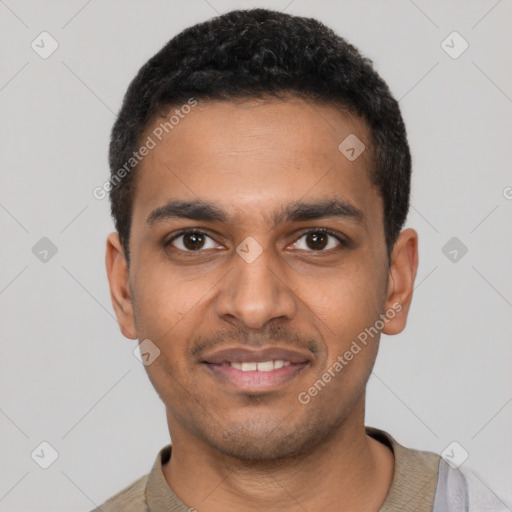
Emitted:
pixel 246 355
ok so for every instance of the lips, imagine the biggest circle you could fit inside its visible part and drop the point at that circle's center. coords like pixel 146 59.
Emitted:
pixel 244 355
pixel 254 371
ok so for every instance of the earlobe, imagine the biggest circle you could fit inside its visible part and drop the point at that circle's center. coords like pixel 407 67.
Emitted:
pixel 402 273
pixel 119 282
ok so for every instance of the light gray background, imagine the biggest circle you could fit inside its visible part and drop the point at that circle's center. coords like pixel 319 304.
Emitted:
pixel 69 377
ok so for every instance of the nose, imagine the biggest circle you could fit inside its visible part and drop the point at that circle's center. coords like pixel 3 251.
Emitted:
pixel 254 293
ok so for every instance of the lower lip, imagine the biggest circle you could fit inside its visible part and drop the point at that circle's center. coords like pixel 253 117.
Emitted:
pixel 255 381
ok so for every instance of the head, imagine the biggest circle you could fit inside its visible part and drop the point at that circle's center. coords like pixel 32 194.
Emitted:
pixel 280 151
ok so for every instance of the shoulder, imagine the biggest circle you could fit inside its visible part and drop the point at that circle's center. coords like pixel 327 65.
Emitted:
pixel 425 482
pixel 130 499
pixel 462 490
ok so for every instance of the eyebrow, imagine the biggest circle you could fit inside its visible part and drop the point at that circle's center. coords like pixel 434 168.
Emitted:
pixel 296 211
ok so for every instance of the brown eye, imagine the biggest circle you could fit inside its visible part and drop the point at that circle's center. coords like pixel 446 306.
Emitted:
pixel 193 241
pixel 317 240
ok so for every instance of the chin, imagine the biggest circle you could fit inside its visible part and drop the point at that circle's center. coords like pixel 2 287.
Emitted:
pixel 259 443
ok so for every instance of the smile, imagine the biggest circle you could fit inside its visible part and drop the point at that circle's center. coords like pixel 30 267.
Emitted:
pixel 255 370
pixel 255 377
pixel 263 366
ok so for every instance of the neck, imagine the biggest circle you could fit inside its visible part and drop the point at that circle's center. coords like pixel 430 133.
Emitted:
pixel 349 472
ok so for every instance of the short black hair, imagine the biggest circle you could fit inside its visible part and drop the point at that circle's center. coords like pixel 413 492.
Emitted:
pixel 257 53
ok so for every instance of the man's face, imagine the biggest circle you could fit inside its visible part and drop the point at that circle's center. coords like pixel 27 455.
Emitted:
pixel 247 284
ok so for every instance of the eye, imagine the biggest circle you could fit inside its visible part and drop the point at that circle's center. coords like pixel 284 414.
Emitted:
pixel 317 240
pixel 192 241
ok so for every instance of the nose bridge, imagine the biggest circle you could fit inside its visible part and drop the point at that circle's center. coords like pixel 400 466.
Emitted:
pixel 255 291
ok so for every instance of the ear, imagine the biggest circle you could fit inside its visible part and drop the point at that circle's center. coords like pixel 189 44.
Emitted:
pixel 402 273
pixel 119 282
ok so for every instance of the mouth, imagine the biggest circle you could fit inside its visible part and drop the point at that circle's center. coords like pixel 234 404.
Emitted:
pixel 256 371
pixel 261 366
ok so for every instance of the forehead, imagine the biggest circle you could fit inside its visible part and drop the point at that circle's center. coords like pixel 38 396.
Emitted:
pixel 255 156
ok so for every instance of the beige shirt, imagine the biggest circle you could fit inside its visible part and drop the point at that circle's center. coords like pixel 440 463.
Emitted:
pixel 412 489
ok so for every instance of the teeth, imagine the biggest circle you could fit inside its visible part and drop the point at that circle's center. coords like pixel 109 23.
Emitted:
pixel 264 366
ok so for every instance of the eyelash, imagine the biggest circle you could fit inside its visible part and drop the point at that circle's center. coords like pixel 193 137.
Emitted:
pixel 343 243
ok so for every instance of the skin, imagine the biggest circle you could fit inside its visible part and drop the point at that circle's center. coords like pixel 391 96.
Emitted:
pixel 235 450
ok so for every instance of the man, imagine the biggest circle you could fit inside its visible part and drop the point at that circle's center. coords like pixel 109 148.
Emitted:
pixel 260 183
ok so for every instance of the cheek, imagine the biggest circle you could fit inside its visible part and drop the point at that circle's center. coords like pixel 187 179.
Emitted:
pixel 348 306
pixel 347 295
pixel 164 299
pixel 172 371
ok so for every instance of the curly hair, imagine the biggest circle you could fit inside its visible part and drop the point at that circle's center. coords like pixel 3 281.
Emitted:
pixel 258 53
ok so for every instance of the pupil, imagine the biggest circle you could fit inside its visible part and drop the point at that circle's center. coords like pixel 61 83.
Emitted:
pixel 316 240
pixel 193 241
